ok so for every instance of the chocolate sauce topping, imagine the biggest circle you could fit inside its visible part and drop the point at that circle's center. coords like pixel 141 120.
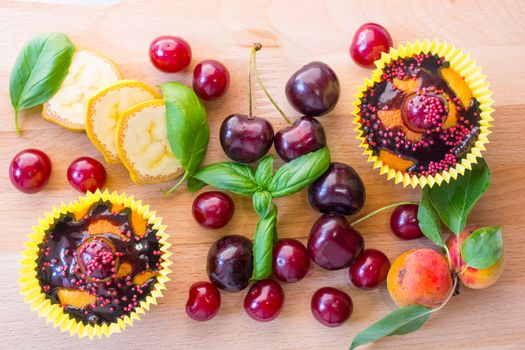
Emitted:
pixel 439 149
pixel 62 263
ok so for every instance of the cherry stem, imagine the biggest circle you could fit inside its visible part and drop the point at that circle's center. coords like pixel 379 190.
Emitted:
pixel 368 216
pixel 177 185
pixel 250 65
pixel 256 48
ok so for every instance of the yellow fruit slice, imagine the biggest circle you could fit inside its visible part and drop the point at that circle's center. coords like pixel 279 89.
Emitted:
pixel 89 72
pixel 143 277
pixel 75 298
pixel 104 109
pixel 142 144
pixel 458 85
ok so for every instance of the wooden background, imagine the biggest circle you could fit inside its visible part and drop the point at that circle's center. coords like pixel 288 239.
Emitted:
pixel 293 33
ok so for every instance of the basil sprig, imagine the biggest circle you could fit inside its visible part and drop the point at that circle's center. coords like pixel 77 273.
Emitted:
pixel 263 185
pixel 39 70
pixel 187 126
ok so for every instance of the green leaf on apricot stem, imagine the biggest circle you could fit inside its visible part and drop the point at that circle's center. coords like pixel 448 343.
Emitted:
pixel 404 320
pixel 455 200
pixel 428 220
pixel 483 248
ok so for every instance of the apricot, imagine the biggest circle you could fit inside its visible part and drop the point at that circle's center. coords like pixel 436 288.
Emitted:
pixel 420 276
pixel 470 276
pixel 75 298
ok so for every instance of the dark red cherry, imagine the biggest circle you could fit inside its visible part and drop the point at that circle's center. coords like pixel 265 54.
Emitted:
pixel 264 300
pixel 331 306
pixel 313 90
pixel 210 79
pixel 204 301
pixel 339 190
pixel 86 174
pixel 333 243
pixel 245 139
pixel 369 269
pixel 291 261
pixel 170 53
pixel 29 170
pixel 303 136
pixel 404 223
pixel 421 112
pixel 369 41
pixel 230 262
pixel 97 259
pixel 213 209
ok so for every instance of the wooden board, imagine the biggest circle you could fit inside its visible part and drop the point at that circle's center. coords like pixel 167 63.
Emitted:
pixel 293 33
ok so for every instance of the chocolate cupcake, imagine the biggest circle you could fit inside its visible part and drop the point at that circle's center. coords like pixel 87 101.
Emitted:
pixel 93 266
pixel 424 116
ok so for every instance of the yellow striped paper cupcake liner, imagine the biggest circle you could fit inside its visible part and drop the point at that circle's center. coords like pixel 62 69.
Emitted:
pixel 467 68
pixel 32 290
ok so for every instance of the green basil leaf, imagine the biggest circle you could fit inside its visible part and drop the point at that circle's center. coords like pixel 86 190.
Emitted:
pixel 455 200
pixel 194 184
pixel 401 321
pixel 262 203
pixel 40 69
pixel 264 171
pixel 263 240
pixel 428 220
pixel 187 124
pixel 483 248
pixel 229 176
pixel 300 172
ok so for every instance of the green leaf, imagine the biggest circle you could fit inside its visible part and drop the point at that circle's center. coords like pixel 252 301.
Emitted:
pixel 263 240
pixel 187 124
pixel 194 184
pixel 262 203
pixel 229 176
pixel 455 200
pixel 300 172
pixel 39 70
pixel 483 248
pixel 264 171
pixel 401 321
pixel 429 220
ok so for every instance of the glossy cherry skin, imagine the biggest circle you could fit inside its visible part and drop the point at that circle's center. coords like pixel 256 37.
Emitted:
pixel 291 261
pixel 313 90
pixel 404 223
pixel 369 41
pixel 339 190
pixel 86 174
pixel 369 269
pixel 303 136
pixel 333 243
pixel 331 306
pixel 170 53
pixel 29 170
pixel 230 261
pixel 213 209
pixel 204 301
pixel 211 79
pixel 264 300
pixel 245 139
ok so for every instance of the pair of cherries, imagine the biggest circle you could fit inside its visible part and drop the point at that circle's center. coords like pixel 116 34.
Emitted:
pixel 171 54
pixel 30 171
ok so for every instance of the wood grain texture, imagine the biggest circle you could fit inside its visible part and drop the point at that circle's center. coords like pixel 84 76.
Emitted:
pixel 293 33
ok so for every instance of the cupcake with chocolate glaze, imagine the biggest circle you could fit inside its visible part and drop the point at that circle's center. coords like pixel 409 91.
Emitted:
pixel 424 117
pixel 92 267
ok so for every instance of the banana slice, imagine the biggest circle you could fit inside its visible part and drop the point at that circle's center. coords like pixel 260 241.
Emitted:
pixel 142 144
pixel 104 109
pixel 89 72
